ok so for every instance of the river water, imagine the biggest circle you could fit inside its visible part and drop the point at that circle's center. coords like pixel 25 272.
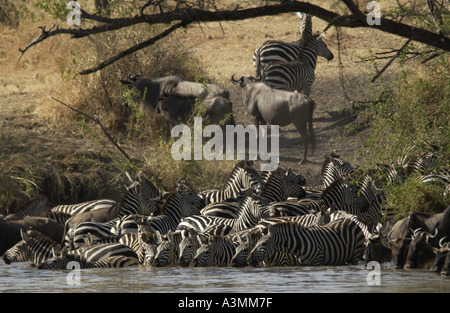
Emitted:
pixel 21 277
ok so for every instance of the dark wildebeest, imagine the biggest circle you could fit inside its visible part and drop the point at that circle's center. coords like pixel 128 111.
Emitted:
pixel 267 105
pixel 176 99
pixel 10 229
pixel 421 250
pixel 399 237
pixel 442 261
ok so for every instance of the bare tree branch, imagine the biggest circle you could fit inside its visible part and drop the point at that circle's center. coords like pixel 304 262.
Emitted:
pixel 399 52
pixel 188 15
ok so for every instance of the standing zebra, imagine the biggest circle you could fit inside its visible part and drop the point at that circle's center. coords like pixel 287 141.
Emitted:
pixel 74 209
pixel 242 177
pixel 297 75
pixel 278 51
pixel 337 243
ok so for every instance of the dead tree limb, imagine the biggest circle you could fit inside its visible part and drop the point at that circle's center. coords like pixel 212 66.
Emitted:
pixel 399 52
pixel 185 16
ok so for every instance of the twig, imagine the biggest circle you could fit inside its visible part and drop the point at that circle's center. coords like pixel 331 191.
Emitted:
pixel 391 60
pixel 98 122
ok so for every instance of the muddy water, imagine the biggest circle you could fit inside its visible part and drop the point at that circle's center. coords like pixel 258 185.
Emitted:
pixel 356 278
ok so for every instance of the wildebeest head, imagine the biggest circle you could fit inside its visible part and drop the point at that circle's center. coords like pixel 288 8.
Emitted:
pixel 420 252
pixel 442 261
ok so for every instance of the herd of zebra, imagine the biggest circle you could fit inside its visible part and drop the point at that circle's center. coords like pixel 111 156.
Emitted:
pixel 257 219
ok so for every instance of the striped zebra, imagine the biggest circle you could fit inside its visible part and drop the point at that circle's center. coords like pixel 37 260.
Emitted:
pixel 333 167
pixel 278 51
pixel 281 184
pixel 297 75
pixel 78 262
pixel 242 177
pixel 337 243
pixel 75 236
pixel 218 251
pixel 252 209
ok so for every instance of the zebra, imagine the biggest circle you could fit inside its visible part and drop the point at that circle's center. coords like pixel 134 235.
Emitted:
pixel 252 209
pixel 218 251
pixel 148 242
pixel 297 75
pixel 242 177
pixel 281 184
pixel 278 51
pixel 34 246
pixel 69 261
pixel 337 243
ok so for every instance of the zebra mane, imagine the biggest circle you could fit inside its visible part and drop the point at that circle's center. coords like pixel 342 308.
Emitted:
pixel 33 207
pixel 166 200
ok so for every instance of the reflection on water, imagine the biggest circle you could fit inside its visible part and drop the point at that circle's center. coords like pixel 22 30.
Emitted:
pixel 23 278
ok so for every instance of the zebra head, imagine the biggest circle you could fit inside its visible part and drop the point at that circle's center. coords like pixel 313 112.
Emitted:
pixel 202 257
pixel 166 252
pixel 258 253
pixel 188 246
pixel 17 253
pixel 322 48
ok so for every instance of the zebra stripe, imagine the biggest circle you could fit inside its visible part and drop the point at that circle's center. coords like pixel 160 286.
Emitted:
pixel 297 75
pixel 18 253
pixel 35 207
pixel 278 51
pixel 73 209
pixel 75 236
pixel 338 243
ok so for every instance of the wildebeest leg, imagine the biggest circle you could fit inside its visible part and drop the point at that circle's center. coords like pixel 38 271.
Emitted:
pixel 301 128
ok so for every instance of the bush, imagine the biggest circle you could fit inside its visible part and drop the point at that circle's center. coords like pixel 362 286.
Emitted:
pixel 411 118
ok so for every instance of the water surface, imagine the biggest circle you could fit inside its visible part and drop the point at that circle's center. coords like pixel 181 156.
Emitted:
pixel 21 277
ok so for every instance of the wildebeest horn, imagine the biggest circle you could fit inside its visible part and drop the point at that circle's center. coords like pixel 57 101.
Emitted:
pixel 441 242
pixel 234 81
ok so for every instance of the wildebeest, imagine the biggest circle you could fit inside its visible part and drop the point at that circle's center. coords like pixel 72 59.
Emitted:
pixel 399 237
pixel 442 261
pixel 278 107
pixel 421 250
pixel 176 99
